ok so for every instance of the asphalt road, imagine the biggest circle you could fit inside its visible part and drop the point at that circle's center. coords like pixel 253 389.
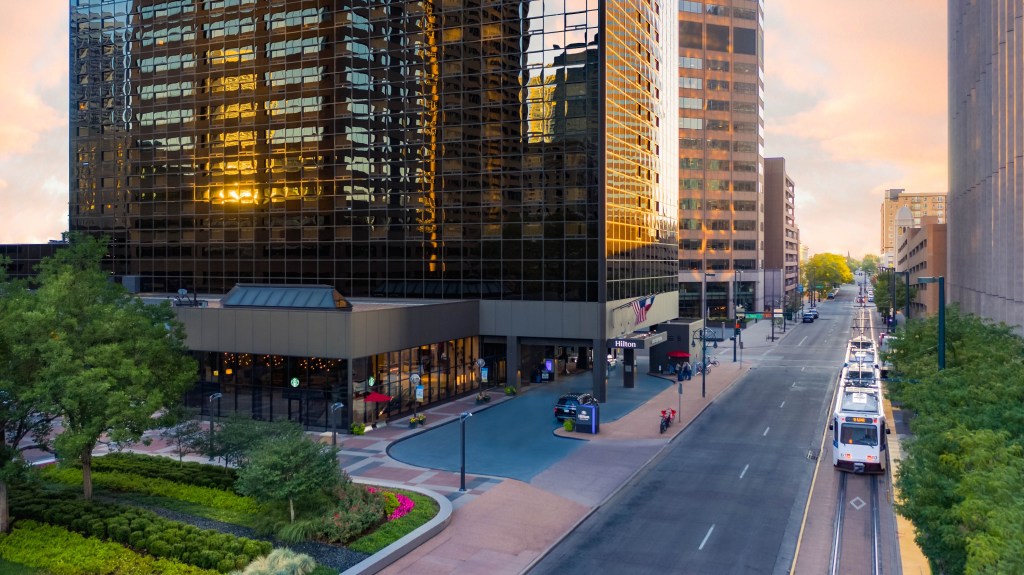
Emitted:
pixel 728 494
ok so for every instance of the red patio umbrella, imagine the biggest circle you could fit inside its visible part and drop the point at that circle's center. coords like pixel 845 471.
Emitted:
pixel 376 397
pixel 678 355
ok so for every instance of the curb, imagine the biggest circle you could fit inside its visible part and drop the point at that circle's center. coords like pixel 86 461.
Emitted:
pixel 388 555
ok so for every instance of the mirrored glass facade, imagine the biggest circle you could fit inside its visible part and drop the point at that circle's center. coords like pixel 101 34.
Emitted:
pixel 467 149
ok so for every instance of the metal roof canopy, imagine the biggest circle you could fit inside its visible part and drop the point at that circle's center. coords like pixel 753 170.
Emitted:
pixel 286 296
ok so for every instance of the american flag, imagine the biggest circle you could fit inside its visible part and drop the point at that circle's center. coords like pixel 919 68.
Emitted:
pixel 640 308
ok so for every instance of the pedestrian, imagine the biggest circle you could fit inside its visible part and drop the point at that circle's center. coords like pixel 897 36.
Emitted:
pixel 687 371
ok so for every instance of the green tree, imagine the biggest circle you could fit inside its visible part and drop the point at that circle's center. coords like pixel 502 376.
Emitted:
pixel 870 264
pixel 111 361
pixel 961 472
pixel 883 293
pixel 25 413
pixel 240 436
pixel 288 468
pixel 181 428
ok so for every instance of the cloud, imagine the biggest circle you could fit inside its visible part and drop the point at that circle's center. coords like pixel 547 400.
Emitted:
pixel 34 121
pixel 856 103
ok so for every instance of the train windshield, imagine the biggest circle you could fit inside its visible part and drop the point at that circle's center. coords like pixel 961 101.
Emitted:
pixel 853 434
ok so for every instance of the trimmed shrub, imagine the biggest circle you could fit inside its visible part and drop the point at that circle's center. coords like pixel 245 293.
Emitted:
pixel 216 498
pixel 62 552
pixel 156 467
pixel 144 530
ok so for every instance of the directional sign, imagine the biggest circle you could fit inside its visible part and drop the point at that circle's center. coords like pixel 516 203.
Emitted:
pixel 755 316
pixel 819 287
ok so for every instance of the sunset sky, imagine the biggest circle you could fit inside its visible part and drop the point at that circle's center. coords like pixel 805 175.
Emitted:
pixel 855 100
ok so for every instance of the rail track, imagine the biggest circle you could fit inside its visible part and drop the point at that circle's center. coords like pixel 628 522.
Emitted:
pixel 856 547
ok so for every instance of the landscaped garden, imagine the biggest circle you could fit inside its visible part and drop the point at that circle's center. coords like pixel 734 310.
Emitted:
pixel 153 514
pixel 83 363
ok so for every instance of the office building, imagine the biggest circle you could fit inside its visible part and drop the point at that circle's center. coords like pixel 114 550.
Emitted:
pixel 986 174
pixel 781 237
pixel 721 157
pixel 922 252
pixel 919 204
pixel 481 182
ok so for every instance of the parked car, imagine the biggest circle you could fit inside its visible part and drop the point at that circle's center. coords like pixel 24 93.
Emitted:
pixel 808 317
pixel 568 403
pixel 814 311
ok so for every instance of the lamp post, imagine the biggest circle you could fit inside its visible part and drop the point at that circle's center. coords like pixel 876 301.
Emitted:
pixel 703 334
pixel 462 468
pixel 213 396
pixel 334 422
pixel 941 280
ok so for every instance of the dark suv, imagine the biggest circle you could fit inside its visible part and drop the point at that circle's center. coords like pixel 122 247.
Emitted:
pixel 567 404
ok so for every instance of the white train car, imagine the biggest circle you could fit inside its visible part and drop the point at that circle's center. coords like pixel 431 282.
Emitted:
pixel 861 349
pixel 860 374
pixel 859 442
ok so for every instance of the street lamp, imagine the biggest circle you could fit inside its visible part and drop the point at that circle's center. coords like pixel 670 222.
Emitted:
pixel 941 280
pixel 462 469
pixel 213 396
pixel 334 422
pixel 703 334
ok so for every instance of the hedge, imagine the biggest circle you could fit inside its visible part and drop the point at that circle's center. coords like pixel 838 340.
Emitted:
pixel 216 498
pixel 62 552
pixel 138 529
pixel 187 472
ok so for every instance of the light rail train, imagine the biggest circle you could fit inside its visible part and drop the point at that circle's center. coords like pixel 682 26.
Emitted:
pixel 859 442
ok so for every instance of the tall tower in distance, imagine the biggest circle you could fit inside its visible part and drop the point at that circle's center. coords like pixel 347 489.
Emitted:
pixel 721 157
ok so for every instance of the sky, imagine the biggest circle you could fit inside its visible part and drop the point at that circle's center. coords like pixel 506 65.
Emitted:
pixel 855 100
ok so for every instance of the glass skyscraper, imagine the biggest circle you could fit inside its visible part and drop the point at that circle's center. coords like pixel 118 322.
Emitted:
pixel 452 149
pixel 515 153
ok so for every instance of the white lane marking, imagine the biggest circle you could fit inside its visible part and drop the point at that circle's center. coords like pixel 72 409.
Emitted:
pixel 801 369
pixel 701 548
pixel 802 341
pixel 781 404
pixel 744 472
pixel 765 431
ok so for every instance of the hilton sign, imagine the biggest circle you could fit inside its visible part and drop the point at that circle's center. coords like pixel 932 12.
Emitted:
pixel 639 341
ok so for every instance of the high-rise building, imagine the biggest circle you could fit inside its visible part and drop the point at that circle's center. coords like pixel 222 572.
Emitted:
pixel 919 204
pixel 986 175
pixel 721 156
pixel 781 236
pixel 506 153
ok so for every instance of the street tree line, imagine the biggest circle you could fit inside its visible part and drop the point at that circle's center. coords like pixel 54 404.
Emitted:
pixel 82 362
pixel 963 470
